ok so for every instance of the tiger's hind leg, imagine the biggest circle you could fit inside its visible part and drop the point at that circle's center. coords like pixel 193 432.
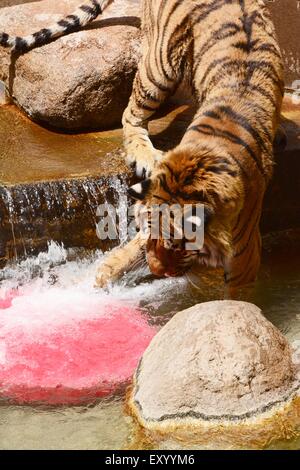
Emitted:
pixel 150 90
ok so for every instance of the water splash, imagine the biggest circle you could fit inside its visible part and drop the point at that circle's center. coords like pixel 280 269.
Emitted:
pixel 61 269
pixel 61 273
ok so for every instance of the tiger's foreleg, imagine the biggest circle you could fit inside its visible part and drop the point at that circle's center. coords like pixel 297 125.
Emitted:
pixel 147 96
pixel 242 268
pixel 120 260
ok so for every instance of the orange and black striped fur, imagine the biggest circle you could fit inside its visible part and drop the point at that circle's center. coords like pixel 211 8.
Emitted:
pixel 227 51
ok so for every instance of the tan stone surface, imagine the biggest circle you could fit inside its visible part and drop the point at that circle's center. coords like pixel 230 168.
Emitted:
pixel 217 360
pixel 219 375
pixel 9 3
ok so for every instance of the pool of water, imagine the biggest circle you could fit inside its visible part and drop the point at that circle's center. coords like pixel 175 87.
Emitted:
pixel 29 153
pixel 104 424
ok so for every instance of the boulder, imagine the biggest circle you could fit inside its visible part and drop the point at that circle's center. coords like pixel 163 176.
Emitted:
pixel 80 81
pixel 218 373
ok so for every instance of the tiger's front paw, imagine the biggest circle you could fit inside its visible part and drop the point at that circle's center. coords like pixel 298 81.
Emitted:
pixel 101 281
pixel 103 276
pixel 143 160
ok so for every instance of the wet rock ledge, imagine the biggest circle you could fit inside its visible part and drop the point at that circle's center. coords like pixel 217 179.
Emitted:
pixel 51 183
pixel 218 374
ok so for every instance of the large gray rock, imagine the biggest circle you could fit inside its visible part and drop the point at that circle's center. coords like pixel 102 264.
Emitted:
pixel 213 369
pixel 80 81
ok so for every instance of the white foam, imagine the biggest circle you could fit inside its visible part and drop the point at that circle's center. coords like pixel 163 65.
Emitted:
pixel 54 290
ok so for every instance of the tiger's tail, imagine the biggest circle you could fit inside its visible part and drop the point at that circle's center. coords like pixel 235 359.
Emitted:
pixel 84 14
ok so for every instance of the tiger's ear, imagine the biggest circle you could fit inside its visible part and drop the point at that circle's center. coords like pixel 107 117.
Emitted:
pixel 140 190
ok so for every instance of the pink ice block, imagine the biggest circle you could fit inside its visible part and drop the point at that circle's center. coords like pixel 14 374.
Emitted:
pixel 52 352
pixel 6 300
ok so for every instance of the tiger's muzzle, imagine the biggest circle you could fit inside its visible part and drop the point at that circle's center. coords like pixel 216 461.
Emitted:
pixel 164 262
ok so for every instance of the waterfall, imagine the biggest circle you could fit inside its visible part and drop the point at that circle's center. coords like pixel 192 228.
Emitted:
pixel 64 211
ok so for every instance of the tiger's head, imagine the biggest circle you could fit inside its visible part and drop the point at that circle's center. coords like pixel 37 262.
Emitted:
pixel 188 177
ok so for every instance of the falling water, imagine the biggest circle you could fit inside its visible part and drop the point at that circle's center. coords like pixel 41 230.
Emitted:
pixel 64 211
pixel 10 208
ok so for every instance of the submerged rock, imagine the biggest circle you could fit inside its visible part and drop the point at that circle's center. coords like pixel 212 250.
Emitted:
pixel 218 373
pixel 80 81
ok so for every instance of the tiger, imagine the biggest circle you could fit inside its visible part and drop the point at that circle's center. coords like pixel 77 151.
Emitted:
pixel 226 52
